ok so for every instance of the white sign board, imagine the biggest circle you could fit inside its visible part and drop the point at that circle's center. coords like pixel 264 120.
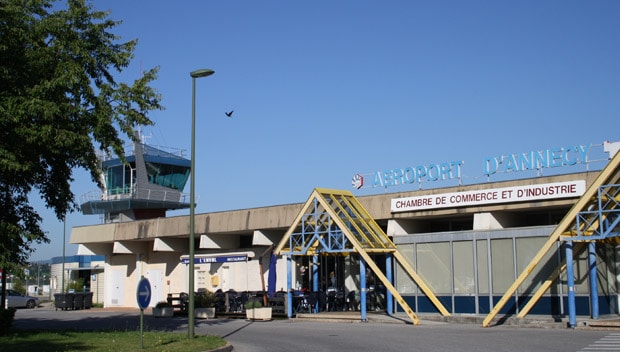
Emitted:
pixel 490 196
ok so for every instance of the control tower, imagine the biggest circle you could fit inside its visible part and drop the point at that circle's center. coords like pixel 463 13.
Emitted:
pixel 145 186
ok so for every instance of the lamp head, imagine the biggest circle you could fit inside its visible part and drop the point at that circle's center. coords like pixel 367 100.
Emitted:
pixel 203 72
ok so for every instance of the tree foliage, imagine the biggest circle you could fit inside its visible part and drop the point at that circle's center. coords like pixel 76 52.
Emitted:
pixel 59 103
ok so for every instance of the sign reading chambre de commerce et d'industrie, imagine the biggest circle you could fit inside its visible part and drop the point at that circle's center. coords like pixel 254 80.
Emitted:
pixel 491 196
pixel 533 160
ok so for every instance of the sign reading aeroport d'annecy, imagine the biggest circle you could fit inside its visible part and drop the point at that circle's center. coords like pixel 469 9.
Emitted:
pixel 534 160
pixel 490 196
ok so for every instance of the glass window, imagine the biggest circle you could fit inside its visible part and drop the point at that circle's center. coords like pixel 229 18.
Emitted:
pixel 483 266
pixel 171 176
pixel 118 179
pixel 404 282
pixel 463 267
pixel 527 248
pixel 434 266
pixel 605 265
pixel 502 265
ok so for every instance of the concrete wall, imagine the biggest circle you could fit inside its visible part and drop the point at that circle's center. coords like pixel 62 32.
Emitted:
pixel 130 246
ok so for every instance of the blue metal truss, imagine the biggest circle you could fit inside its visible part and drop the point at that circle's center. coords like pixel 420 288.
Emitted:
pixel 599 223
pixel 334 222
pixel 318 234
pixel 603 223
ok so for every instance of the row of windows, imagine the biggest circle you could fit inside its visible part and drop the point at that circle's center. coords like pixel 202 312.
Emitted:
pixel 492 265
pixel 119 179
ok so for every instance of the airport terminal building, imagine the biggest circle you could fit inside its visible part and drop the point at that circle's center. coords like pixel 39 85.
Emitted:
pixel 468 243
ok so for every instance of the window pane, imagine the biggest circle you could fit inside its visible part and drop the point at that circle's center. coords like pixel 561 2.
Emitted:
pixel 527 248
pixel 463 267
pixel 404 283
pixel 434 266
pixel 502 265
pixel 483 266
pixel 605 265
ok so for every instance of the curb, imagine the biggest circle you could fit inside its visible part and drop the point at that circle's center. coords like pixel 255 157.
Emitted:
pixel 227 348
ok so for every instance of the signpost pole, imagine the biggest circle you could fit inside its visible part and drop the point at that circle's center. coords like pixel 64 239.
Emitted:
pixel 141 328
pixel 143 296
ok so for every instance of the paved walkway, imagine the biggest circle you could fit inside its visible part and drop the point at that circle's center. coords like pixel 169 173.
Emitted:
pixel 533 321
pixel 123 318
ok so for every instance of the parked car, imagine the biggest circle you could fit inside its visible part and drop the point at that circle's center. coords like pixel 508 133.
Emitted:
pixel 17 300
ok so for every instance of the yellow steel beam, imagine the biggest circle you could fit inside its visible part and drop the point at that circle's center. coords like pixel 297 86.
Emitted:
pixel 401 301
pixel 369 232
pixel 403 262
pixel 547 283
pixel 380 250
pixel 580 247
pixel 287 235
pixel 421 284
pixel 370 225
pixel 611 170
pixel 358 224
pixel 594 226
pixel 375 269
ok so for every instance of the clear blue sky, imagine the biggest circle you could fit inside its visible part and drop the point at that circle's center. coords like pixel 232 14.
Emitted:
pixel 323 90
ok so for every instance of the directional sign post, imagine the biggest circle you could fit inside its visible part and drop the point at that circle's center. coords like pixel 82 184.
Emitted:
pixel 143 295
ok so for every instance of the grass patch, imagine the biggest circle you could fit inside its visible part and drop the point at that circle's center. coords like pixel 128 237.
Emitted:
pixel 110 341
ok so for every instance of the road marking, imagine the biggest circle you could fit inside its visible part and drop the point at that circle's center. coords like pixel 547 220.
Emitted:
pixel 610 342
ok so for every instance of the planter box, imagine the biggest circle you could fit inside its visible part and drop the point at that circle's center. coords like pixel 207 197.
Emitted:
pixel 163 312
pixel 258 313
pixel 204 313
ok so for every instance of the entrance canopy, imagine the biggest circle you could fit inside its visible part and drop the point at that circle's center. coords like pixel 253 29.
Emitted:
pixel 334 222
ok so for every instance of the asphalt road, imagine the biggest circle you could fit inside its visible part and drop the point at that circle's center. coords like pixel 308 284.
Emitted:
pixel 316 336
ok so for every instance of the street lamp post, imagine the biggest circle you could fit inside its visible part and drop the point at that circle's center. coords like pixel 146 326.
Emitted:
pixel 64 240
pixel 192 193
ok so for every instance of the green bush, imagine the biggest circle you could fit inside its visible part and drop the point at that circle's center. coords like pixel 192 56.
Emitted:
pixel 76 285
pixel 205 299
pixel 253 304
pixel 18 285
pixel 6 320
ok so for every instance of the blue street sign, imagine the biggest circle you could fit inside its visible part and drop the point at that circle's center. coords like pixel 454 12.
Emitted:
pixel 143 293
pixel 217 259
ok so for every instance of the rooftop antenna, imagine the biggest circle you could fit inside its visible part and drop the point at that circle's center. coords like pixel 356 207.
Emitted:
pixel 143 137
pixel 140 135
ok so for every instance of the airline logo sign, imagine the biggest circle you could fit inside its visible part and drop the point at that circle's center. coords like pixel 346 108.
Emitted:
pixel 490 196
pixel 358 181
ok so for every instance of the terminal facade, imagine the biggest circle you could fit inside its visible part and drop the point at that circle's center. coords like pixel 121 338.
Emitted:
pixel 469 243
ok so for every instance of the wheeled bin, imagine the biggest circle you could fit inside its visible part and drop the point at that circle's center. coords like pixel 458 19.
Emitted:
pixel 78 300
pixel 88 300
pixel 63 301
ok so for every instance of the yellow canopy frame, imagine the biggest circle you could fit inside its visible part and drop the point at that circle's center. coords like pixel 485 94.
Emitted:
pixel 333 221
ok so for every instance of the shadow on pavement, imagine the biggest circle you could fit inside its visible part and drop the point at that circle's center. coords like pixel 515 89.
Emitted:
pixel 97 319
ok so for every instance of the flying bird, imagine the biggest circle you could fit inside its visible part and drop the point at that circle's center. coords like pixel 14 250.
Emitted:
pixel 229 114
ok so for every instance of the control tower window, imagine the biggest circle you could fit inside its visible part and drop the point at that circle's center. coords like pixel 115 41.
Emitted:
pixel 119 179
pixel 166 175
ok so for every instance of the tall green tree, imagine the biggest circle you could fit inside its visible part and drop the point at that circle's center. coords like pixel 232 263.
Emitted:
pixel 59 103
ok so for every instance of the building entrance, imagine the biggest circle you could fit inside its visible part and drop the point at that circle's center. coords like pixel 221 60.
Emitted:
pixel 335 231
